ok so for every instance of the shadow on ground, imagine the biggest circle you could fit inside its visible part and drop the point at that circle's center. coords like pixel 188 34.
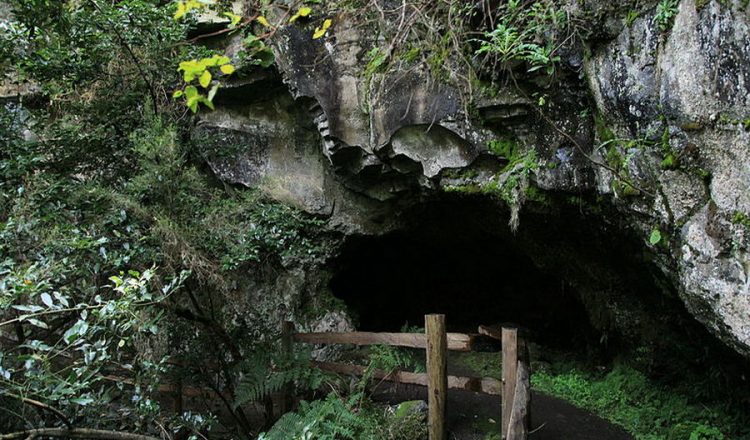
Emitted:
pixel 471 416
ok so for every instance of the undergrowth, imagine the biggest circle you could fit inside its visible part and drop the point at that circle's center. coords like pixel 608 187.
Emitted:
pixel 348 413
pixel 642 406
pixel 622 394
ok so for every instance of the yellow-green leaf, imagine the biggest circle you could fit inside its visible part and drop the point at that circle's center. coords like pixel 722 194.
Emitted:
pixel 205 79
pixel 180 12
pixel 320 31
pixel 177 94
pixel 192 103
pixel 227 69
pixel 262 20
pixel 302 12
pixel 191 92
pixel 235 19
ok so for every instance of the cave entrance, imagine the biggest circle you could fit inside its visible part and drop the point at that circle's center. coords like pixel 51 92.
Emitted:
pixel 457 256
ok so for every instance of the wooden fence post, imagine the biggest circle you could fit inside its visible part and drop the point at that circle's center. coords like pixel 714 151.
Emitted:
pixel 510 366
pixel 287 331
pixel 437 377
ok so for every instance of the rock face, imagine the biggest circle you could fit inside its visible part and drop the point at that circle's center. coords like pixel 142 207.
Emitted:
pixel 360 147
pixel 692 84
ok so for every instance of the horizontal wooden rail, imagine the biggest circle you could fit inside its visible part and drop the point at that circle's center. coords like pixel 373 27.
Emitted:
pixel 485 385
pixel 456 341
pixel 186 391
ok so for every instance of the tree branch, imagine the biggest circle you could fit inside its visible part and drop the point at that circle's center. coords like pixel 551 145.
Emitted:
pixel 46 407
pixel 242 24
pixel 76 433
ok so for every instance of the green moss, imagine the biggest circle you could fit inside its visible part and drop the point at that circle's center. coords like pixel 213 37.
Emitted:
pixel 670 158
pixel 740 218
pixel 624 189
pixel 504 147
pixel 669 162
pixel 410 55
pixel 438 57
pixel 630 17
pixel 726 119
pixel 460 173
pixel 704 174
pixel 471 188
pixel 536 195
pixel 376 61
pixel 614 158
pixel 603 132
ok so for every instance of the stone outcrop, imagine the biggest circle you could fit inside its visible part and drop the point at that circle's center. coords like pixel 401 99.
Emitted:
pixel 358 147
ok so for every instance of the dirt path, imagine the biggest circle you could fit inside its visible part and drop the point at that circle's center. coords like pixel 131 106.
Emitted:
pixel 472 416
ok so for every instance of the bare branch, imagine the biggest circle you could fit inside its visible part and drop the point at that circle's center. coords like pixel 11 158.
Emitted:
pixel 75 433
pixel 46 407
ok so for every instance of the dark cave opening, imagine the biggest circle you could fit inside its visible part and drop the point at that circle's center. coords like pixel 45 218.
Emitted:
pixel 576 279
pixel 572 276
pixel 472 278
pixel 457 256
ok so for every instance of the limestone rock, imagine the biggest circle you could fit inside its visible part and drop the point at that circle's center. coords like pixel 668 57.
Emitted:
pixel 363 147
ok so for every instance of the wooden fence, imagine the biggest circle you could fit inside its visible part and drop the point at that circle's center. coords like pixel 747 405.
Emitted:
pixel 513 388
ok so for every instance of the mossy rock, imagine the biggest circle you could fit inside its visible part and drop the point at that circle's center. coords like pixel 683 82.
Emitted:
pixel 410 407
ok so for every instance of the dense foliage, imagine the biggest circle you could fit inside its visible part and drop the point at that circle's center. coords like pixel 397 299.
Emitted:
pixel 115 246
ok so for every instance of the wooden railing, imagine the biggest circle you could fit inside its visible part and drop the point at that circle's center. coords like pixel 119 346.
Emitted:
pixel 513 388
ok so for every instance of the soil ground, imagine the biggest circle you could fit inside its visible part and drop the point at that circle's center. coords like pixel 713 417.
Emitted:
pixel 471 416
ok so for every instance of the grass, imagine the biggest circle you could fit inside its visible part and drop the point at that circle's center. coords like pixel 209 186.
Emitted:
pixel 645 408
pixel 626 397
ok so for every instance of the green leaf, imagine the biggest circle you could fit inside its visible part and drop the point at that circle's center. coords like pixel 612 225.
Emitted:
pixel 655 237
pixel 320 31
pixel 227 69
pixel 75 331
pixel 208 103
pixel 302 12
pixel 212 92
pixel 29 308
pixel 83 401
pixel 180 12
pixel 235 19
pixel 191 92
pixel 265 58
pixel 192 103
pixel 37 323
pixel 46 299
pixel 177 94
pixel 205 79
